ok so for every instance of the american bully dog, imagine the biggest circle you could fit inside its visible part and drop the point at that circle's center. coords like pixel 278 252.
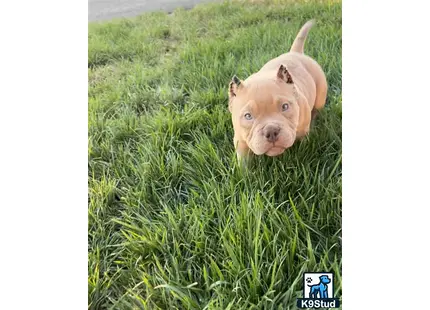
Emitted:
pixel 274 107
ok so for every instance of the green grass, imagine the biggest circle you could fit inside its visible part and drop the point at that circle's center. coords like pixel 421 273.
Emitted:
pixel 173 222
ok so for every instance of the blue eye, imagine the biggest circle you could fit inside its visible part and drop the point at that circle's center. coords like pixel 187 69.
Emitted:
pixel 248 116
pixel 285 107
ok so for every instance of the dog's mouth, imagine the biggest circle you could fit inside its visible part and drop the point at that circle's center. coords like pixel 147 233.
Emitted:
pixel 272 149
pixel 260 145
pixel 278 148
pixel 275 151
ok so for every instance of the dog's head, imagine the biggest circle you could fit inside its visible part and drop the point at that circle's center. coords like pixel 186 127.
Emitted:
pixel 325 279
pixel 265 111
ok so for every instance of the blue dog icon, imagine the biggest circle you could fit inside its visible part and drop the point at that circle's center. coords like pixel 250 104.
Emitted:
pixel 320 289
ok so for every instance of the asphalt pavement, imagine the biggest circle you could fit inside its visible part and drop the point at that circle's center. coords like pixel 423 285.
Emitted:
pixel 107 9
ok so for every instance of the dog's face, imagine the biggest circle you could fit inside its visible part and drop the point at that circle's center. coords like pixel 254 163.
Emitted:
pixel 325 279
pixel 265 112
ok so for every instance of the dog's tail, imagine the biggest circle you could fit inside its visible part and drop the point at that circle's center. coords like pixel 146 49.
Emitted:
pixel 299 41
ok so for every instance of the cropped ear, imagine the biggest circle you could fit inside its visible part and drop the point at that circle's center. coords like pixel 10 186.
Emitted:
pixel 233 88
pixel 285 75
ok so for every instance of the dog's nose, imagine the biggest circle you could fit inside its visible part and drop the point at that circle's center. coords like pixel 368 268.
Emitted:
pixel 271 133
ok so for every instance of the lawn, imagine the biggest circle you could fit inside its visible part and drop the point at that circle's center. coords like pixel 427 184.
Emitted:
pixel 173 222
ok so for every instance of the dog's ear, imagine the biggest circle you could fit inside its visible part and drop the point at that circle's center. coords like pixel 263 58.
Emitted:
pixel 233 88
pixel 285 75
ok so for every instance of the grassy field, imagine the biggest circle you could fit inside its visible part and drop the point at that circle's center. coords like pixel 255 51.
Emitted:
pixel 173 222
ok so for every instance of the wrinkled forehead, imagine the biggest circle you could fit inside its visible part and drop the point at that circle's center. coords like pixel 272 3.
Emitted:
pixel 265 95
pixel 262 90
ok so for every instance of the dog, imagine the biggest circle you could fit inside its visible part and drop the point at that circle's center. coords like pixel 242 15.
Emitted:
pixel 274 107
pixel 320 288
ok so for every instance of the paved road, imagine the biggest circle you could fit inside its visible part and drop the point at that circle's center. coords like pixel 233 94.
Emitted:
pixel 108 9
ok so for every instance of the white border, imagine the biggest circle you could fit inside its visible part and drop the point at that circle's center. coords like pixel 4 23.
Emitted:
pixel 43 159
pixel 386 110
pixel 44 154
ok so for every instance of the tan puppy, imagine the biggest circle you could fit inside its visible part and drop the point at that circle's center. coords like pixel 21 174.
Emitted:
pixel 274 106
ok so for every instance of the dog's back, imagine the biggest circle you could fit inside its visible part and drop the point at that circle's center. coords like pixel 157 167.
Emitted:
pixel 307 73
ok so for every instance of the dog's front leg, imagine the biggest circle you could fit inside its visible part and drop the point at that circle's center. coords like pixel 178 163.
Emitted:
pixel 242 151
pixel 322 292
pixel 325 293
